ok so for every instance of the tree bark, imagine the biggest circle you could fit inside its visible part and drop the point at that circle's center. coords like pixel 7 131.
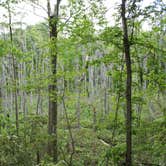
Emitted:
pixel 126 45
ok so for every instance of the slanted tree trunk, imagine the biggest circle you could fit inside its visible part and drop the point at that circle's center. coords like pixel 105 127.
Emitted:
pixel 126 45
pixel 52 123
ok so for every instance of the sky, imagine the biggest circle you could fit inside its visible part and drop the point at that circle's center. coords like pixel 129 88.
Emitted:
pixel 33 14
pixel 30 15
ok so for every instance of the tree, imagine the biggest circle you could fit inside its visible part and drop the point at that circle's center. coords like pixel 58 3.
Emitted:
pixel 52 123
pixel 82 60
pixel 126 45
pixel 7 5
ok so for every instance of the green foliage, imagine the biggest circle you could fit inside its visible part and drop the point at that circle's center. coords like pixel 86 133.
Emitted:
pixel 21 150
pixel 91 75
pixel 112 35
pixel 4 48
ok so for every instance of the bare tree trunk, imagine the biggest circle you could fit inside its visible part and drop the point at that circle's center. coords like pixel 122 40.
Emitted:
pixel 78 105
pixel 78 91
pixel 38 111
pixel 105 101
pixel 94 118
pixel 0 99
pixel 126 45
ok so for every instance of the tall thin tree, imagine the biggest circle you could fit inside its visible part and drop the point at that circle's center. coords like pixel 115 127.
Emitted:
pixel 126 45
pixel 15 95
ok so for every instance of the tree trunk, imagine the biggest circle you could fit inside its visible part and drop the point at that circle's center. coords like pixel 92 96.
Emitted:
pixel 52 124
pixel 126 45
pixel 15 96
pixel 0 100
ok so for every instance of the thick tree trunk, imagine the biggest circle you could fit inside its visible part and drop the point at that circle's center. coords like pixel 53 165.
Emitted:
pixel 52 124
pixel 128 86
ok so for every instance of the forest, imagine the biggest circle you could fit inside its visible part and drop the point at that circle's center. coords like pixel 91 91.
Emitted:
pixel 86 86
